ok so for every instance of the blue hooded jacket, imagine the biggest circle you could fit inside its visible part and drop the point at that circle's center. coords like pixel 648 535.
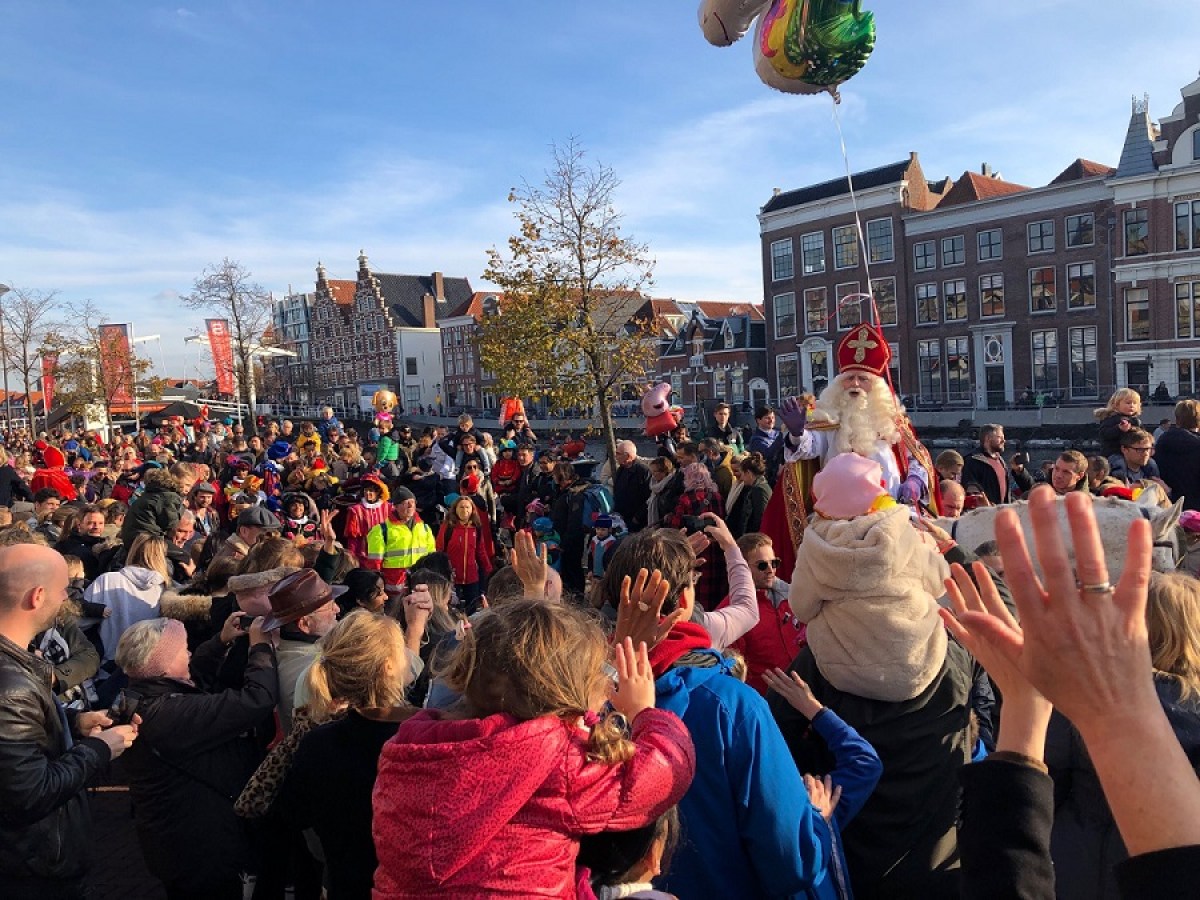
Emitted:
pixel 749 829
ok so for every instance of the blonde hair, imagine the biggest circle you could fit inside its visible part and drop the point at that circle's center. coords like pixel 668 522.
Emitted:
pixel 362 664
pixel 531 659
pixel 1173 622
pixel 1117 396
pixel 150 552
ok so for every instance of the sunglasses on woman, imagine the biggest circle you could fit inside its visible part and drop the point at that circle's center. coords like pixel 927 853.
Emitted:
pixel 765 564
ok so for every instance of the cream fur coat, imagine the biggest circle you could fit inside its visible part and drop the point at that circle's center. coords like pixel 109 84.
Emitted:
pixel 868 589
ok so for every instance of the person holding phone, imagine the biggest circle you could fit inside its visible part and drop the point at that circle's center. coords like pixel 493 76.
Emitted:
pixel 196 751
pixel 47 753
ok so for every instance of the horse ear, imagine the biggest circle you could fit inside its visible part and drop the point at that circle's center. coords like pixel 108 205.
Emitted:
pixel 1165 519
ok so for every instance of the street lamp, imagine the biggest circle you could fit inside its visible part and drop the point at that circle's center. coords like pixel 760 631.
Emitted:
pixel 4 289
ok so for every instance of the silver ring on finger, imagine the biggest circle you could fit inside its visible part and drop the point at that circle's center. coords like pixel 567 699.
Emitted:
pixel 644 607
pixel 1102 587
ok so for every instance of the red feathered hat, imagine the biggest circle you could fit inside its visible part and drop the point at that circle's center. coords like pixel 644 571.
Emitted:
pixel 864 349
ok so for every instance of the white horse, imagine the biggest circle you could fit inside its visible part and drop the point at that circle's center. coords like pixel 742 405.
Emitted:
pixel 1113 516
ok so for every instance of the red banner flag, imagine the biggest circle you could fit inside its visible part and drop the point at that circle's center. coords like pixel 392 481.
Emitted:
pixel 222 353
pixel 49 364
pixel 115 365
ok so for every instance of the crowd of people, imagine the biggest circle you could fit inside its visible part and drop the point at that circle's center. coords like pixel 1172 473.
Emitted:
pixel 471 664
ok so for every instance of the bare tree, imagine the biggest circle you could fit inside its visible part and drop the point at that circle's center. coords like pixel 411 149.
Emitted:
pixel 30 318
pixel 94 366
pixel 573 287
pixel 227 290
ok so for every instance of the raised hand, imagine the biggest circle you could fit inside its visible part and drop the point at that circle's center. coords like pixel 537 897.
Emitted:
pixel 635 680
pixel 795 690
pixel 529 562
pixel 640 606
pixel 794 413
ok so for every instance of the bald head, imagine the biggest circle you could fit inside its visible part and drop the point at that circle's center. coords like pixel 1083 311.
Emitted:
pixel 953 499
pixel 33 587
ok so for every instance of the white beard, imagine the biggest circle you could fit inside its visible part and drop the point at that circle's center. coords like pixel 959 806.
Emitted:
pixel 863 421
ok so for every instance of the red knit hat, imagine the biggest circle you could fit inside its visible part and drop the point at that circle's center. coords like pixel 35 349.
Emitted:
pixel 864 349
pixel 470 484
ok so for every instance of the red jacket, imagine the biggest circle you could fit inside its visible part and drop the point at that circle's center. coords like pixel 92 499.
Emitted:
pixel 53 478
pixel 469 548
pixel 494 807
pixel 504 475
pixel 773 643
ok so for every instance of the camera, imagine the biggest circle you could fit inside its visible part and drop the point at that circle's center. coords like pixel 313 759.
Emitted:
pixel 124 706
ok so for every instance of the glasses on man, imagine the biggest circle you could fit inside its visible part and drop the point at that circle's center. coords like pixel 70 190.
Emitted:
pixel 1146 449
pixel 765 565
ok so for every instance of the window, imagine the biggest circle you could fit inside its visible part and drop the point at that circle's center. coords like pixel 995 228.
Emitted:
pixel 677 383
pixel 412 395
pixel 924 256
pixel 990 245
pixel 785 315
pixel 884 292
pixel 958 369
pixel 879 241
pixel 1137 314
pixel 1085 371
pixel 787 374
pixel 737 389
pixel 1196 144
pixel 929 370
pixel 1137 232
pixel 1081 230
pixel 728 341
pixel 849 313
pixel 816 311
pixel 1187 225
pixel 1187 309
pixel 1045 360
pixel 452 369
pixel 410 365
pixel 1081 286
pixel 812 251
pixel 927 304
pixel 1041 236
pixel 954 251
pixel 1188 372
pixel 845 247
pixel 991 295
pixel 955 296
pixel 1043 296
pixel 781 260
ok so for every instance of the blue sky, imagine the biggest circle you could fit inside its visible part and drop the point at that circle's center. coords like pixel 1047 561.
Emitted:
pixel 141 142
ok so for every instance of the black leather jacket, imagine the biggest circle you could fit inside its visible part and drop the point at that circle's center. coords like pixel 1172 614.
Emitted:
pixel 44 822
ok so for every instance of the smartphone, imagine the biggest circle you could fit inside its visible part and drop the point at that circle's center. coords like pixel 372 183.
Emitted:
pixel 694 524
pixel 124 706
pixel 244 622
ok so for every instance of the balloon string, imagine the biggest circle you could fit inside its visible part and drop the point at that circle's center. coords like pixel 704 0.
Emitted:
pixel 862 243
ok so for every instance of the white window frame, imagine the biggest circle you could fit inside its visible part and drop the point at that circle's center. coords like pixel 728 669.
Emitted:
pixel 777 259
pixel 998 245
pixel 960 250
pixel 890 255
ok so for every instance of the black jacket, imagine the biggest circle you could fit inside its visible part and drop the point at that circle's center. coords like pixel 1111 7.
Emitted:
pixel 903 843
pixel 194 756
pixel 12 487
pixel 44 822
pixel 1086 843
pixel 631 491
pixel 1177 453
pixel 977 470
pixel 1004 835
pixel 84 547
pixel 746 513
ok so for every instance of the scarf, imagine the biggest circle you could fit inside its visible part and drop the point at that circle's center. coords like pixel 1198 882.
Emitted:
pixel 653 513
pixel 682 639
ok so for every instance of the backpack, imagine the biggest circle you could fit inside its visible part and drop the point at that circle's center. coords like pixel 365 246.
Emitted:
pixel 597 500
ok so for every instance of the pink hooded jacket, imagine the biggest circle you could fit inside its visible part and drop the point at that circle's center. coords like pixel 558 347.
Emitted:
pixel 494 807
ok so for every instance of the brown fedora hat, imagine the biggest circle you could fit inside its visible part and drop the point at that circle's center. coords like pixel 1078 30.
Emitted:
pixel 296 596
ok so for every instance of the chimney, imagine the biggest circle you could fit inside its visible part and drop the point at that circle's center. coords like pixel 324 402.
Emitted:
pixel 429 310
pixel 986 170
pixel 439 287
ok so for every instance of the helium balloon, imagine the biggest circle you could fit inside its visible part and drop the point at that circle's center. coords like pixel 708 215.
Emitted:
pixel 800 46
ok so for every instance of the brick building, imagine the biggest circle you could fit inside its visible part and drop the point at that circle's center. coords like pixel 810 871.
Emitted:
pixel 992 293
pixel 380 332
pixel 719 352
pixel 290 322
pixel 465 384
